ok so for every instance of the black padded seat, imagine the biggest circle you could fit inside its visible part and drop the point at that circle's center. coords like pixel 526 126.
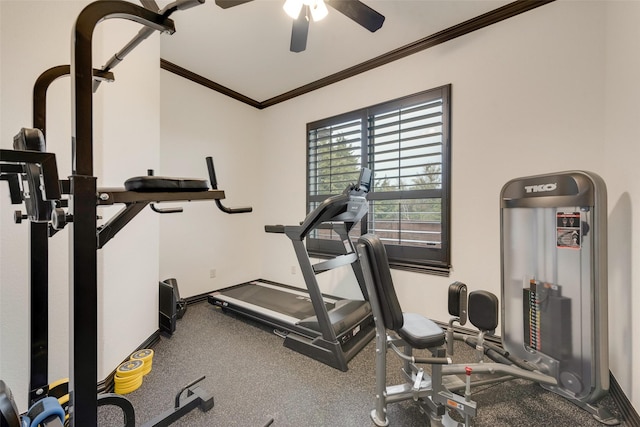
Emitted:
pixel 420 332
pixel 163 183
pixel 417 330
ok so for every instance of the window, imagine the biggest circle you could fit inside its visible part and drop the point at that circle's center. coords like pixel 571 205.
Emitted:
pixel 406 144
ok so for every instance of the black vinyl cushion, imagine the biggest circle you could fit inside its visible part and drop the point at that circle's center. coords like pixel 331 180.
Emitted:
pixel 33 140
pixel 415 329
pixel 457 300
pixel 377 255
pixel 163 183
pixel 483 310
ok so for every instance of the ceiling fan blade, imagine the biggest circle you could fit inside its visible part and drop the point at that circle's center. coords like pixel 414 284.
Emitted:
pixel 300 31
pixel 359 12
pixel 151 5
pixel 226 4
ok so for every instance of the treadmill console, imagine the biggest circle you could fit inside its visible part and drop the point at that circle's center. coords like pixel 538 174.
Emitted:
pixel 363 186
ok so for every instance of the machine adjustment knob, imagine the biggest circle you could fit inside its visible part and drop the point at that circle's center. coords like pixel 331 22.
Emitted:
pixel 59 219
pixel 18 217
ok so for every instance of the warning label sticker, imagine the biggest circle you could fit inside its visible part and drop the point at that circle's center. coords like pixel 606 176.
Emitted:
pixel 568 230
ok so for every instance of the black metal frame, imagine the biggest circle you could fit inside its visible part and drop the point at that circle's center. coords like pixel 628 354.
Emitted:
pixel 39 248
pixel 39 251
pixel 83 340
pixel 40 231
pixel 326 347
pixel 12 162
pixel 136 202
pixel 85 237
pixel 321 342
pixel 39 256
pixel 195 397
pixel 39 265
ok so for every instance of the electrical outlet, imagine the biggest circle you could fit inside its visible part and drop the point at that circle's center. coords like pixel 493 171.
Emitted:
pixel 212 273
pixel 293 269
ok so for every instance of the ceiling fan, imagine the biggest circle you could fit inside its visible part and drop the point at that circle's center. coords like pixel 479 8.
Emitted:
pixel 303 10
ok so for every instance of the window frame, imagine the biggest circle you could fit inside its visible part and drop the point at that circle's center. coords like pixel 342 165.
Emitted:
pixel 421 259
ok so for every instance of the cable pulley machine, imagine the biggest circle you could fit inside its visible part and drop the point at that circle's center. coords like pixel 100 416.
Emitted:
pixel 554 282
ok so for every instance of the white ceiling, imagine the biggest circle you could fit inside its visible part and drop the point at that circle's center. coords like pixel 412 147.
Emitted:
pixel 246 48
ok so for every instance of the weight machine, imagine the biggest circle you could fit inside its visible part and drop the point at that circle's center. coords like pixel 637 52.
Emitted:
pixel 438 392
pixel 554 282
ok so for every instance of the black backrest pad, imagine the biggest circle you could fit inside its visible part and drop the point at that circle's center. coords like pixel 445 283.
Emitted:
pixel 457 299
pixel 377 256
pixel 483 310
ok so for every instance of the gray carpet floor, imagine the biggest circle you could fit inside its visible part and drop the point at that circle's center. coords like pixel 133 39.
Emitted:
pixel 255 380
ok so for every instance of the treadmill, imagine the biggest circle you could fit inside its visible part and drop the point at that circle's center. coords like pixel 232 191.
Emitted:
pixel 329 329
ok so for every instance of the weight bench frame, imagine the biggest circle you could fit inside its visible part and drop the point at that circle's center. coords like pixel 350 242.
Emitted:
pixel 411 331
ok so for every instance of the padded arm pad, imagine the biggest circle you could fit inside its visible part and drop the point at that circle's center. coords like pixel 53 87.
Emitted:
pixel 483 310
pixel 161 183
pixel 274 228
pixel 458 301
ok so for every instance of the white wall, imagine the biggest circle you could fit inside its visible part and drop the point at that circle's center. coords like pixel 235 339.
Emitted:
pixel 519 93
pixel 197 123
pixel 620 151
pixel 129 144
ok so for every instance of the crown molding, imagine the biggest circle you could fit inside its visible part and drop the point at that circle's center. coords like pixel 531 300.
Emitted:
pixel 482 21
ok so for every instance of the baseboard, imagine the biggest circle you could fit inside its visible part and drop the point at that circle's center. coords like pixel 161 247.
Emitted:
pixel 197 298
pixel 629 414
pixel 107 385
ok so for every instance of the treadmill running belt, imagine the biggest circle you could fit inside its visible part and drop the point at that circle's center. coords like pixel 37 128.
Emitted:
pixel 273 299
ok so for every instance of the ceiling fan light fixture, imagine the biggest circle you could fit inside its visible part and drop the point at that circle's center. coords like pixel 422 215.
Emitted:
pixel 293 8
pixel 317 7
pixel 318 10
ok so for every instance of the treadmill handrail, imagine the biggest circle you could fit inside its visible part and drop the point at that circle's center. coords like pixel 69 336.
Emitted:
pixel 346 208
pixel 332 209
